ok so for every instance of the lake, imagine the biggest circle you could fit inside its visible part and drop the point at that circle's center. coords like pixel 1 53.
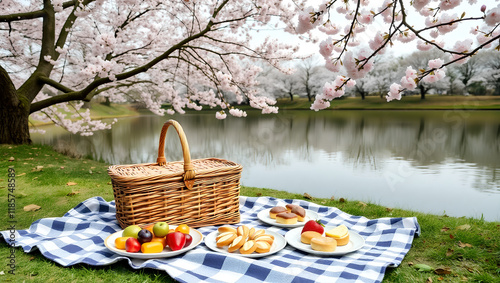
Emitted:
pixel 441 162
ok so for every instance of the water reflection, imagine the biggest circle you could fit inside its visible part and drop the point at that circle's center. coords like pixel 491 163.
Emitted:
pixel 434 161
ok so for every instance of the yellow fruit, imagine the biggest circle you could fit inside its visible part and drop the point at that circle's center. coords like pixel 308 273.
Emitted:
pixel 120 242
pixel 337 232
pixel 152 247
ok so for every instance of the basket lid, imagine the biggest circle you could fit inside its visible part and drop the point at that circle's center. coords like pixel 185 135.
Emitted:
pixel 172 170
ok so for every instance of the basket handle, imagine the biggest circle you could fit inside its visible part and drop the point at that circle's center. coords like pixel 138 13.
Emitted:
pixel 189 173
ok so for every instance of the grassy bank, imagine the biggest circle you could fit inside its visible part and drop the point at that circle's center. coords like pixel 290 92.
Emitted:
pixel 432 102
pixel 101 111
pixel 469 249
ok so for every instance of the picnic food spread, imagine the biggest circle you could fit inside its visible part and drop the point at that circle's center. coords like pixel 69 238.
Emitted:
pixel 243 240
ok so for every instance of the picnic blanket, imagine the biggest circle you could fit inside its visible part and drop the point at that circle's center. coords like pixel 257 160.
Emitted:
pixel 78 237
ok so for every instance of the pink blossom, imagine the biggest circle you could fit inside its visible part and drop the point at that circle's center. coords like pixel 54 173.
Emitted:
pixel 483 8
pixel 493 16
pixel 394 92
pixel 449 4
pixel 423 46
pixel 436 63
pixel 419 4
pixel 365 17
pixel 326 47
pixel 237 112
pixel 332 66
pixel 220 115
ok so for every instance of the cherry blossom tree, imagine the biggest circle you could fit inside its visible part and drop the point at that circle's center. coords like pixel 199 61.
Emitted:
pixel 185 52
pixel 392 23
pixel 56 54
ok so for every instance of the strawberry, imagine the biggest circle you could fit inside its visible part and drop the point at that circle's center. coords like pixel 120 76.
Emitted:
pixel 313 225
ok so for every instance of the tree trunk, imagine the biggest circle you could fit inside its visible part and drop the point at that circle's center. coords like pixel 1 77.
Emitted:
pixel 14 113
pixel 291 96
pixel 422 92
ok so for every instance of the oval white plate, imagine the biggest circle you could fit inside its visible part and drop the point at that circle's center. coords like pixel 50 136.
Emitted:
pixel 263 215
pixel 167 252
pixel 355 243
pixel 278 244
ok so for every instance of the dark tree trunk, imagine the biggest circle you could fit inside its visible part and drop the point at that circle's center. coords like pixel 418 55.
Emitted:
pixel 14 113
pixel 423 90
pixel 291 95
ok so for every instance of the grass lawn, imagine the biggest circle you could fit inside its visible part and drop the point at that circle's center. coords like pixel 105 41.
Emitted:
pixel 432 102
pixel 467 249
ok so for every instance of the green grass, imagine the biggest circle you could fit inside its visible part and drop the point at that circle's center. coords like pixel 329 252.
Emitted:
pixel 101 111
pixel 432 102
pixel 471 253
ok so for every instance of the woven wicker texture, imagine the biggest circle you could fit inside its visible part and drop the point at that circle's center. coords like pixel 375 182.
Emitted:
pixel 201 192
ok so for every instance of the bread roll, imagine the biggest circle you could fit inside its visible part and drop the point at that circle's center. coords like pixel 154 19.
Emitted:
pixel 236 244
pixel 226 229
pixel 248 247
pixel 308 235
pixel 286 218
pixel 339 233
pixel 262 247
pixel 342 241
pixel 323 244
pixel 276 210
pixel 226 239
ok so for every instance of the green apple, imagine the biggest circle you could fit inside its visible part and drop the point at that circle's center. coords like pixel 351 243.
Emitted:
pixel 160 229
pixel 131 231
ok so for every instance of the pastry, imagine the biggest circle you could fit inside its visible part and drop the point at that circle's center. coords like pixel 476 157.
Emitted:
pixel 301 213
pixel 256 233
pixel 276 210
pixel 236 244
pixel 323 244
pixel 226 239
pixel 248 247
pixel 340 234
pixel 265 238
pixel 243 230
pixel 308 235
pixel 290 206
pixel 262 247
pixel 286 218
pixel 226 229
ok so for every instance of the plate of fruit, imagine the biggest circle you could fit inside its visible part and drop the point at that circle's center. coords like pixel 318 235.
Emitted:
pixel 289 216
pixel 315 239
pixel 158 240
pixel 245 241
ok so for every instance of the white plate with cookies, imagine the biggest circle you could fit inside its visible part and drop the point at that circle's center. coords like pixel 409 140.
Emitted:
pixel 356 241
pixel 277 244
pixel 264 216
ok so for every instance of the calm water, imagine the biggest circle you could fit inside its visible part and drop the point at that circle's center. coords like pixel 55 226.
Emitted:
pixel 430 161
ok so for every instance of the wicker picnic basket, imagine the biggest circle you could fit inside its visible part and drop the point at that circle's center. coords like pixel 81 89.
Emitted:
pixel 200 192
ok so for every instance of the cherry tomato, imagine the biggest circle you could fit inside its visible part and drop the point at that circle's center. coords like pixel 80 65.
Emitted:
pixel 183 228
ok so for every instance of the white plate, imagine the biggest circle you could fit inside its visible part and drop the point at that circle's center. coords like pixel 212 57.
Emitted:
pixel 167 252
pixel 278 244
pixel 263 215
pixel 355 243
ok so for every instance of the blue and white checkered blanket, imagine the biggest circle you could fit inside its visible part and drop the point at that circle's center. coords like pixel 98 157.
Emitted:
pixel 78 237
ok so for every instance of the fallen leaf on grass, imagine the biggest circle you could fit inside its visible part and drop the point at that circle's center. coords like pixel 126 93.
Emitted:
pixel 31 207
pixel 442 271
pixel 11 159
pixel 308 196
pixel 464 227
pixel 341 199
pixel 259 194
pixel 429 280
pixel 388 209
pixel 444 229
pixel 332 198
pixel 37 169
pixel 31 258
pixel 363 204
pixel 464 245
pixel 452 237
pixel 70 183
pixel 440 278
pixel 22 174
pixel 73 193
pixel 422 267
